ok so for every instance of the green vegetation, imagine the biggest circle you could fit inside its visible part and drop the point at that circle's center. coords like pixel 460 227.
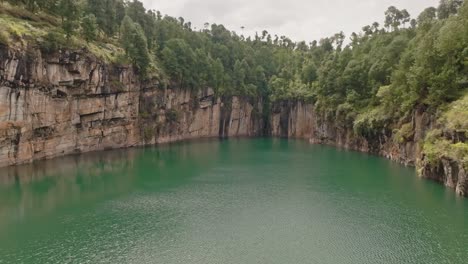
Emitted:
pixel 369 84
pixel 436 147
pixel 404 134
pixel 22 28
pixel 172 115
pixel 456 117
pixel 450 141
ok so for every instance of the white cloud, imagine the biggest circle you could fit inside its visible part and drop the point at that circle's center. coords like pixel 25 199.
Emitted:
pixel 298 19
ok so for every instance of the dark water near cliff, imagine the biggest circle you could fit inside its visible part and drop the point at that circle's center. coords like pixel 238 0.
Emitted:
pixel 236 201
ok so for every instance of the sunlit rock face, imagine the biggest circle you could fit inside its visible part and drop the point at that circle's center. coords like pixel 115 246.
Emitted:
pixel 70 102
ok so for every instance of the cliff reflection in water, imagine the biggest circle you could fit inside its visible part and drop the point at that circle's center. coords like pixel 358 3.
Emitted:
pixel 234 201
pixel 44 186
pixel 41 188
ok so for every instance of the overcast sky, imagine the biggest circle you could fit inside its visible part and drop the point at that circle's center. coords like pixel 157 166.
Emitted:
pixel 298 19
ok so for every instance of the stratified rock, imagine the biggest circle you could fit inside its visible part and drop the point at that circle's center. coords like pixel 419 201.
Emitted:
pixel 71 102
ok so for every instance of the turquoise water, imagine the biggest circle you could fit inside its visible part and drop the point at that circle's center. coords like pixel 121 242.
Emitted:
pixel 235 201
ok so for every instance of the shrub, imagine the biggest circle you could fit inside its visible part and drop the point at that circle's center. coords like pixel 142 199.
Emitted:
pixel 117 86
pixel 18 12
pixel 456 117
pixel 148 133
pixel 436 147
pixel 4 38
pixel 53 41
pixel 371 121
pixel 404 134
pixel 172 115
pixel 345 113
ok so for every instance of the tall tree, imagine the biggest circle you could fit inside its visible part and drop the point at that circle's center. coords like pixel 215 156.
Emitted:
pixel 90 27
pixel 448 7
pixel 135 44
pixel 70 11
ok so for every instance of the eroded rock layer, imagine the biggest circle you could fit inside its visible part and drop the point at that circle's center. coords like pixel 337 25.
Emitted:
pixel 70 102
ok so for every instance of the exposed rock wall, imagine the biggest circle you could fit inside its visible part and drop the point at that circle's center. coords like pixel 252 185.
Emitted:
pixel 70 102
pixel 177 114
pixel 298 120
pixel 63 103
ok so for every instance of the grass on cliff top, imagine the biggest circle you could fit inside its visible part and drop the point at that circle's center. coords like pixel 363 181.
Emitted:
pixel 21 29
pixel 454 119
pixel 19 26
pixel 436 147
pixel 17 32
pixel 23 14
pixel 371 120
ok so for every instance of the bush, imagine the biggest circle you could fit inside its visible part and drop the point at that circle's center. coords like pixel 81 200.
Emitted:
pixel 117 86
pixel 53 41
pixel 404 134
pixel 122 59
pixel 436 147
pixel 4 38
pixel 148 133
pixel 370 122
pixel 172 115
pixel 456 117
pixel 345 113
pixel 18 12
pixel 145 115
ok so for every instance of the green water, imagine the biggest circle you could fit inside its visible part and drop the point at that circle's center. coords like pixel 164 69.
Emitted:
pixel 236 201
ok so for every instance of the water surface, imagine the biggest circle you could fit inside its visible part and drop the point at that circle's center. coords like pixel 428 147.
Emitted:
pixel 236 201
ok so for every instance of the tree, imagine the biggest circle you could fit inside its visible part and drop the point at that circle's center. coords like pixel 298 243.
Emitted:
pixel 354 39
pixel 367 30
pixel 135 44
pixel 89 26
pixel 108 13
pixel 375 27
pixel 141 56
pixel 339 38
pixel 309 73
pixel 70 14
pixel 127 30
pixel 405 17
pixel 31 5
pixel 179 60
pixel 394 17
pixel 427 16
pixel 217 79
pixel 239 74
pixel 448 7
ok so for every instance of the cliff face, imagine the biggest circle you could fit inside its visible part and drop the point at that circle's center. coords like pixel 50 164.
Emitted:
pixel 299 120
pixel 177 114
pixel 70 102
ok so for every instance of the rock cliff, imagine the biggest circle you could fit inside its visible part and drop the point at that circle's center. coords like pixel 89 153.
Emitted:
pixel 299 120
pixel 71 102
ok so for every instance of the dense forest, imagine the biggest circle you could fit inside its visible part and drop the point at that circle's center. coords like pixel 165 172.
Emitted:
pixel 371 81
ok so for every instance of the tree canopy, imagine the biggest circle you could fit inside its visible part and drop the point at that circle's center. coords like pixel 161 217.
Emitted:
pixel 387 70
